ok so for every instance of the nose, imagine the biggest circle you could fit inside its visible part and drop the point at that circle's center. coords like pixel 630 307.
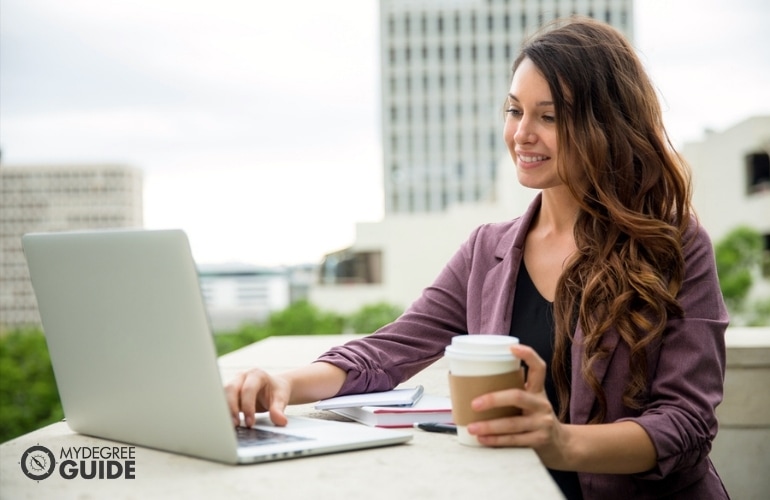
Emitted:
pixel 524 133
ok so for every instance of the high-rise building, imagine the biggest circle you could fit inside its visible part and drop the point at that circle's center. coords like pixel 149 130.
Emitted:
pixel 446 67
pixel 56 198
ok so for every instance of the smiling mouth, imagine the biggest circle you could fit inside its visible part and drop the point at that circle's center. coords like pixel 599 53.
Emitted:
pixel 532 159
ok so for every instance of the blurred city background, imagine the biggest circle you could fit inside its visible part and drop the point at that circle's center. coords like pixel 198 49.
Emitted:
pixel 327 158
pixel 339 151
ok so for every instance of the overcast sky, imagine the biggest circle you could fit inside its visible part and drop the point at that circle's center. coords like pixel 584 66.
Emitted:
pixel 256 123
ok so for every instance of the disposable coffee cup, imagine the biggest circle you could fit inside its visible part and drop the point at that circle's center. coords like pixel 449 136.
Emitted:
pixel 480 364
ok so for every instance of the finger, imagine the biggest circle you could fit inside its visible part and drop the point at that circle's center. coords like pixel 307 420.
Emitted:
pixel 232 395
pixel 277 407
pixel 274 398
pixel 505 425
pixel 252 385
pixel 531 439
pixel 526 401
pixel 525 430
pixel 497 399
pixel 537 367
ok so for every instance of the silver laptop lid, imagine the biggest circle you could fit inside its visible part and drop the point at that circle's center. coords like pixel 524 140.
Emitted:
pixel 133 354
pixel 120 310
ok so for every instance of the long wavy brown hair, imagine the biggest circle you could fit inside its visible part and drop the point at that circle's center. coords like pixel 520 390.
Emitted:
pixel 634 194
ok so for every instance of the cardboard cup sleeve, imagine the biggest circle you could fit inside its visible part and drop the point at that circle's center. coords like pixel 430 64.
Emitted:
pixel 465 388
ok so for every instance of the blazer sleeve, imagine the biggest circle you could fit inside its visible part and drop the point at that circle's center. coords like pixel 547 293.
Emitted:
pixel 687 384
pixel 397 351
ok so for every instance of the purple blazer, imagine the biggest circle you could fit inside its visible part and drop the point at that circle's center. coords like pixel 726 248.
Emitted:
pixel 474 294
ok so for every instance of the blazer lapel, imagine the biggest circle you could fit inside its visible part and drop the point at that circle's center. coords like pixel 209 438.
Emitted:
pixel 496 300
pixel 500 282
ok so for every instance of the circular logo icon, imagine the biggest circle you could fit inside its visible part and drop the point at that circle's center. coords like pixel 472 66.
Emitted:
pixel 38 462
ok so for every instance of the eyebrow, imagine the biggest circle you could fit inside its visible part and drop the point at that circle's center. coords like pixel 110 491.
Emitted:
pixel 541 103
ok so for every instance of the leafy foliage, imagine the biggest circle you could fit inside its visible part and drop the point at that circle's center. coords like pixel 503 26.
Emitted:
pixel 736 256
pixel 739 256
pixel 371 317
pixel 302 318
pixel 28 395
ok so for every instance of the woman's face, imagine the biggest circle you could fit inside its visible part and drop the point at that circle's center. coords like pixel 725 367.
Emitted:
pixel 530 128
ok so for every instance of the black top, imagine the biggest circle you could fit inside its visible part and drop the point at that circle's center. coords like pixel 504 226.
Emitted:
pixel 533 324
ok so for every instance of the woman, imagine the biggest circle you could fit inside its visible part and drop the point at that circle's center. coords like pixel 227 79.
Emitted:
pixel 607 276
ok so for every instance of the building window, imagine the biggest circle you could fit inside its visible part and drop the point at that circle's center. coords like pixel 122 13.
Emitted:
pixel 348 266
pixel 757 172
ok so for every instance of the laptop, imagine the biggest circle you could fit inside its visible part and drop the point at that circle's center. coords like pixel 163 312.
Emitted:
pixel 134 357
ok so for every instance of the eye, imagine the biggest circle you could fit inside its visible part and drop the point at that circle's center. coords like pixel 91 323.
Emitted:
pixel 549 118
pixel 513 112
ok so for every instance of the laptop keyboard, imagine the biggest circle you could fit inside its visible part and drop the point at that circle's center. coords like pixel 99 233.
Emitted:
pixel 257 437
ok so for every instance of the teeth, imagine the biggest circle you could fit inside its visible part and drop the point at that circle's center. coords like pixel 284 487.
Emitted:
pixel 530 159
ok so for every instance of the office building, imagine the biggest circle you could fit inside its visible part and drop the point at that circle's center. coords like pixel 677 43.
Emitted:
pixel 238 294
pixel 733 167
pixel 56 198
pixel 445 71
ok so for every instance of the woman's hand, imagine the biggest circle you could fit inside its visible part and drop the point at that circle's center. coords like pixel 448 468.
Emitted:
pixel 616 448
pixel 255 391
pixel 537 427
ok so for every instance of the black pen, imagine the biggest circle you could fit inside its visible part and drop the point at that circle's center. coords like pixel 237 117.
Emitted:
pixel 437 427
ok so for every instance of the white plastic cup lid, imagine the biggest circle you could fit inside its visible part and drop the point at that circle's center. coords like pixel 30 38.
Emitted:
pixel 490 347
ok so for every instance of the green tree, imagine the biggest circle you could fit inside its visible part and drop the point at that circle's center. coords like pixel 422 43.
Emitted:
pixel 300 318
pixel 303 318
pixel 371 317
pixel 245 335
pixel 28 395
pixel 738 257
